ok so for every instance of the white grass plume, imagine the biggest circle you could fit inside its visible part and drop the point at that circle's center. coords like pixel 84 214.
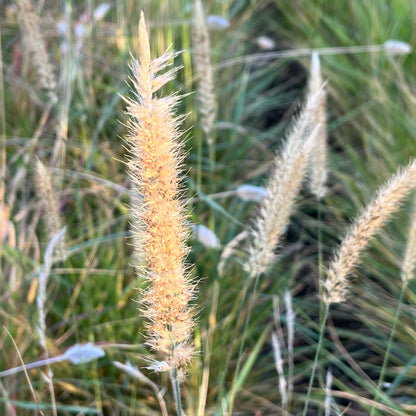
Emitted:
pixel 318 163
pixel 282 189
pixel 204 71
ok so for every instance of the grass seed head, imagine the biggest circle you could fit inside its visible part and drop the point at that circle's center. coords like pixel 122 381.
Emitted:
pixel 386 202
pixel 158 215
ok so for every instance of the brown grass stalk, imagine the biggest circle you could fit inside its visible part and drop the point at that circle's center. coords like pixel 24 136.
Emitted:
pixel 158 218
pixel 386 202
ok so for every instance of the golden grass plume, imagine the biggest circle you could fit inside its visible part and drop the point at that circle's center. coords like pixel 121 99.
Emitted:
pixel 386 202
pixel 409 262
pixel 158 215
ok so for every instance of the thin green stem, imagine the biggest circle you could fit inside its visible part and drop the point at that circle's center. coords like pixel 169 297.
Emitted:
pixel 243 338
pixel 315 362
pixel 234 336
pixel 176 390
pixel 388 349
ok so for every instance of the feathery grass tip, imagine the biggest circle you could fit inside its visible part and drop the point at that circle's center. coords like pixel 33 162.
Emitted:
pixel 318 163
pixel 34 44
pixel 282 189
pixel 386 202
pixel 204 71
pixel 409 262
pixel 158 218
pixel 50 205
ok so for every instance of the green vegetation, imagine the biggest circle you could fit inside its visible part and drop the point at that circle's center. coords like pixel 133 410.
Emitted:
pixel 76 129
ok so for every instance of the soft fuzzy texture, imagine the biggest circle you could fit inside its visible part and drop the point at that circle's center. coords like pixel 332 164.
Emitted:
pixel 204 72
pixel 386 202
pixel 282 190
pixel 409 262
pixel 158 217
pixel 35 45
pixel 318 164
pixel 50 204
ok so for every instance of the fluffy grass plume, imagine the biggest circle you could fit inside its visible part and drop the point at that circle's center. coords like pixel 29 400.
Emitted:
pixel 35 46
pixel 282 189
pixel 318 169
pixel 409 262
pixel 378 212
pixel 50 205
pixel 159 220
pixel 204 71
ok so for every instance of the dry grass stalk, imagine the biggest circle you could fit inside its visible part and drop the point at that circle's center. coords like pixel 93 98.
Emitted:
pixel 159 220
pixel 318 163
pixel 282 189
pixel 204 71
pixel 44 273
pixel 409 262
pixel 278 362
pixel 387 201
pixel 290 319
pixel 328 395
pixel 35 46
pixel 50 203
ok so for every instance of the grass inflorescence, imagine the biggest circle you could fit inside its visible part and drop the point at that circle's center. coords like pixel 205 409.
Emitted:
pixel 287 198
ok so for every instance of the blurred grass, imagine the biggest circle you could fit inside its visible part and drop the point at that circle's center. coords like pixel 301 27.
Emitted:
pixel 92 294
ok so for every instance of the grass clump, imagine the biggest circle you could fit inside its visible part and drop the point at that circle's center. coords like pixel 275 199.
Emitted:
pixel 274 333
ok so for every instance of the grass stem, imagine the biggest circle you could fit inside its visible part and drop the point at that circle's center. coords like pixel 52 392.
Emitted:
pixel 316 360
pixel 243 338
pixel 388 349
pixel 176 390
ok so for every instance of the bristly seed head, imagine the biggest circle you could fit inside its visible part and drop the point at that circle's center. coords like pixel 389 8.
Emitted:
pixel 158 219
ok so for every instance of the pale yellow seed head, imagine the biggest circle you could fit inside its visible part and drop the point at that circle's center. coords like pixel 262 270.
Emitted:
pixel 159 221
pixel 386 202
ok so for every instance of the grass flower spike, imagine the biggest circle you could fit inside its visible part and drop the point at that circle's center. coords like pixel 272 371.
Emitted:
pixel 50 205
pixel 159 229
pixel 409 262
pixel 318 164
pixel 36 47
pixel 282 189
pixel 378 212
pixel 204 71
